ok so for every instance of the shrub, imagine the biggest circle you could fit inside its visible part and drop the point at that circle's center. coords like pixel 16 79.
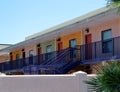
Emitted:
pixel 107 78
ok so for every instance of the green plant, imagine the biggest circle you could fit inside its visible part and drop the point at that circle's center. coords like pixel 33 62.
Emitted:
pixel 107 78
pixel 114 3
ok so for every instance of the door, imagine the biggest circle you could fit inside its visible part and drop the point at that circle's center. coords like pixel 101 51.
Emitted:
pixel 11 57
pixel 11 60
pixel 88 46
pixel 23 56
pixel 39 54
pixel 59 46
pixel 39 50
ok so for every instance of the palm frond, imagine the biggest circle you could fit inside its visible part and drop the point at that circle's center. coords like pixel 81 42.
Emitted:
pixel 107 79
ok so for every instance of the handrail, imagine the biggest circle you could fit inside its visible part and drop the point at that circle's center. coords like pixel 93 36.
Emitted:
pixel 61 56
pixel 54 57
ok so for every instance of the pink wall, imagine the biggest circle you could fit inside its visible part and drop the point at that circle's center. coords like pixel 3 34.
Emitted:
pixel 4 58
pixel 28 48
pixel 97 29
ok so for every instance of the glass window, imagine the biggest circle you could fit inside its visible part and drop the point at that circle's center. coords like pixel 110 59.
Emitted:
pixel 30 53
pixel 49 48
pixel 107 34
pixel 107 41
pixel 17 56
pixel 73 43
pixel 31 57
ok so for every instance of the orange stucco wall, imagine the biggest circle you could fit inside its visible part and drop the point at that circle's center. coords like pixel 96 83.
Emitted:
pixel 97 29
pixel 27 49
pixel 14 53
pixel 65 39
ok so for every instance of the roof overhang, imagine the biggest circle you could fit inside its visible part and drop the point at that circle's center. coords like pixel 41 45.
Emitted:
pixel 92 19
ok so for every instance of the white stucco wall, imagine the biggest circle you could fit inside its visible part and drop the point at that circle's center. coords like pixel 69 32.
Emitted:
pixel 44 83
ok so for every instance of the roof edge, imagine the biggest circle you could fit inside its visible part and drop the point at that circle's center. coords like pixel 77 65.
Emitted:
pixel 72 21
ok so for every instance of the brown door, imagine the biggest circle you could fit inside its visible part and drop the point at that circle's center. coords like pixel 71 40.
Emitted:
pixel 39 51
pixel 39 54
pixel 59 46
pixel 11 56
pixel 23 56
pixel 88 46
pixel 11 60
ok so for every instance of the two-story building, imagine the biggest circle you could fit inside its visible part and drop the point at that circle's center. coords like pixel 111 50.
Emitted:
pixel 78 44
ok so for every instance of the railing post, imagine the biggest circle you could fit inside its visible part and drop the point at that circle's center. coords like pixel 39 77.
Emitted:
pixel 95 49
pixel 113 46
pixel 71 53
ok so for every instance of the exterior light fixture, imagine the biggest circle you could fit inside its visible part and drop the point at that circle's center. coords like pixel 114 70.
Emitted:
pixel 87 30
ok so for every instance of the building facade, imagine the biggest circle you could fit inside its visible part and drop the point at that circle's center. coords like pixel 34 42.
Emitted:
pixel 78 44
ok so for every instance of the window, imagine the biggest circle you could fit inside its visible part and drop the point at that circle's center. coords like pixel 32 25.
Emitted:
pixel 17 56
pixel 30 53
pixel 107 41
pixel 49 48
pixel 31 57
pixel 72 43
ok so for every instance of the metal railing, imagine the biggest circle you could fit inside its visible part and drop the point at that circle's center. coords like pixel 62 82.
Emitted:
pixel 66 59
pixel 63 62
pixel 98 51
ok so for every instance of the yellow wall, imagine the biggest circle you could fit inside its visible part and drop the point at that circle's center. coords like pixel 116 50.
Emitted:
pixel 16 52
pixel 65 39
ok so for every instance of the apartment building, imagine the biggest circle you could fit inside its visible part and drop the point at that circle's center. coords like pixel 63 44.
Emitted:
pixel 75 45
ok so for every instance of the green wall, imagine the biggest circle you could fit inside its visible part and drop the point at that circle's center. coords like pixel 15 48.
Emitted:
pixel 45 44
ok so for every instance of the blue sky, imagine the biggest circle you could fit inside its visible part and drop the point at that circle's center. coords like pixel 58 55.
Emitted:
pixel 21 18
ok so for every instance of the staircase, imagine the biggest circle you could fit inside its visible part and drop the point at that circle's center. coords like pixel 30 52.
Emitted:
pixel 59 63
pixel 62 62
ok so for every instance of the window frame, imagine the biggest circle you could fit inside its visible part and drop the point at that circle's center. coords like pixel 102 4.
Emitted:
pixel 30 53
pixel 49 53
pixel 71 41
pixel 47 48
pixel 17 56
pixel 106 41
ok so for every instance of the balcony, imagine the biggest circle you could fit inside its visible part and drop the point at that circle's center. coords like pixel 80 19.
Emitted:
pixel 64 60
pixel 47 61
pixel 100 51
